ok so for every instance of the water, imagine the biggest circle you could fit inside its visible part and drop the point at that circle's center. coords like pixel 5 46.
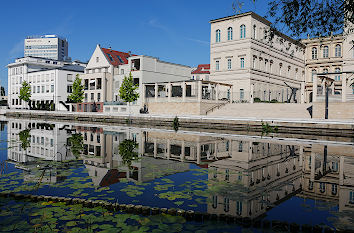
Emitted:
pixel 257 177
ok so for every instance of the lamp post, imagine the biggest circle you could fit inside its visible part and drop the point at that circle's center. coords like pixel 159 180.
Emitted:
pixel 328 82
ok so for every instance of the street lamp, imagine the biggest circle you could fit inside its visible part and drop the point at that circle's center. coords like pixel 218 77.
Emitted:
pixel 328 81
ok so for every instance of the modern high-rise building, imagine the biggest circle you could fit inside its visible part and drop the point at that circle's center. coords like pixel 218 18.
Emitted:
pixel 47 46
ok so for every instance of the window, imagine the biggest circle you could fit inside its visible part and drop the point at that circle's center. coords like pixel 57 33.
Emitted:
pixel 110 57
pixel 313 74
pixel 242 62
pixel 242 31
pixel 226 204
pixel 240 146
pixel 254 63
pixel 217 33
pixel 322 187
pixel 229 64
pixel 314 53
pixel 310 185
pixel 215 202
pixel 238 207
pixel 337 77
pixel 351 197
pixel 38 89
pixel 52 88
pixel 217 65
pixel 325 71
pixel 43 89
pixel 338 51
pixel 325 52
pixel 122 71
pixel 98 96
pixel 353 89
pixel 254 32
pixel 92 96
pixel 335 166
pixel 70 89
pixel 97 59
pixel 85 97
pixel 227 174
pixel 242 94
pixel 334 189
pixel 229 33
pixel 120 59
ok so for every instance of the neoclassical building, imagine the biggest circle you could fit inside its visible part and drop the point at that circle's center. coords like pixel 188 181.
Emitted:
pixel 244 54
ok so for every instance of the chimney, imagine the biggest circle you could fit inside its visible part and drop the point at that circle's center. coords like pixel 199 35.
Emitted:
pixel 110 48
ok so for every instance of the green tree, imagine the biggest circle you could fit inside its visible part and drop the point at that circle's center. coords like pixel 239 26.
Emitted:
pixel 127 91
pixel 127 151
pixel 77 96
pixel 314 17
pixel 25 92
pixel 25 138
pixel 2 91
pixel 76 143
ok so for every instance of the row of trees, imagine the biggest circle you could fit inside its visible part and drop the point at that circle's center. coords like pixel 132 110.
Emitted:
pixel 127 91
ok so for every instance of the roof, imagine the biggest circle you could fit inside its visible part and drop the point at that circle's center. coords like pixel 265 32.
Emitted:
pixel 202 69
pixel 116 58
pixel 260 18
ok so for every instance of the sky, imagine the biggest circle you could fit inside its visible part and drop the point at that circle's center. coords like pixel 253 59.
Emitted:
pixel 176 31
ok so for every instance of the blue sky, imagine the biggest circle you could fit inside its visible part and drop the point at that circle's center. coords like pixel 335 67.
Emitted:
pixel 174 30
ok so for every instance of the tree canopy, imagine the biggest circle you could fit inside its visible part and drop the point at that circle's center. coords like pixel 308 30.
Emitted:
pixel 77 96
pixel 313 17
pixel 127 91
pixel 25 138
pixel 76 143
pixel 127 151
pixel 25 92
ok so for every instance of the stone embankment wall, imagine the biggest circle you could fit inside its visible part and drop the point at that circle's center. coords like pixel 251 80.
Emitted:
pixel 335 110
pixel 302 127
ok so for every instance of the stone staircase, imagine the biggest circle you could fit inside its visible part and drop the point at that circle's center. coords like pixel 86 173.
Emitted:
pixel 263 110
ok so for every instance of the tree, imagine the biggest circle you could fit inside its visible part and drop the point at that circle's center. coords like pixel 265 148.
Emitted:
pixel 127 91
pixel 25 138
pixel 2 91
pixel 314 17
pixel 25 92
pixel 77 96
pixel 76 143
pixel 127 151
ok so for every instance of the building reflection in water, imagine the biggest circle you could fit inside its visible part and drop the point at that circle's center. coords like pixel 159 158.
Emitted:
pixel 247 176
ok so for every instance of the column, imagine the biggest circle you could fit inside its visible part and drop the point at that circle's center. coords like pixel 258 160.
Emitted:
pixel 313 160
pixel 344 88
pixel 314 89
pixel 198 153
pixel 231 94
pixel 251 93
pixel 341 170
pixel 142 144
pixel 155 148
pixel 183 151
pixel 169 85
pixel 156 91
pixel 168 147
pixel 184 92
pixel 144 95
pixel 217 93
pixel 199 91
pixel 302 97
pixel 323 87
pixel 301 155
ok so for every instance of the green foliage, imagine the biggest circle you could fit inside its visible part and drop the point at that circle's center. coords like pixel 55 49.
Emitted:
pixel 2 92
pixel 175 124
pixel 76 143
pixel 77 96
pixel 127 151
pixel 274 101
pixel 127 91
pixel 25 92
pixel 25 138
pixel 266 128
pixel 257 100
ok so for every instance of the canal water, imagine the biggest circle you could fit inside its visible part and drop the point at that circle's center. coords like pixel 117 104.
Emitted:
pixel 263 179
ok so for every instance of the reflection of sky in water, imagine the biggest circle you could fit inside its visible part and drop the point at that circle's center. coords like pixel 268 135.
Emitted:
pixel 192 186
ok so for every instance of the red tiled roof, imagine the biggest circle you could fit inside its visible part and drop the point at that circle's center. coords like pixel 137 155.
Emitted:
pixel 114 55
pixel 200 70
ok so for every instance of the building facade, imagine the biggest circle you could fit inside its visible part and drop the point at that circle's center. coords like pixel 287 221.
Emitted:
pixel 202 72
pixel 50 81
pixel 260 65
pixel 47 46
pixel 105 73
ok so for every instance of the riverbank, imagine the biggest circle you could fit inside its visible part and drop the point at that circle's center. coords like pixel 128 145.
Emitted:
pixel 340 128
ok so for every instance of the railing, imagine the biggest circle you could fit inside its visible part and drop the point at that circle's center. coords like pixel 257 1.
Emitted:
pixel 114 103
pixel 215 107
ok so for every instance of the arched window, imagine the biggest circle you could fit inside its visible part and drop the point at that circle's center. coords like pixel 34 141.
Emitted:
pixel 325 52
pixel 229 33
pixel 238 207
pixel 322 187
pixel 254 31
pixel 338 51
pixel 217 34
pixel 242 31
pixel 337 77
pixel 325 71
pixel 215 202
pixel 226 204
pixel 313 74
pixel 314 53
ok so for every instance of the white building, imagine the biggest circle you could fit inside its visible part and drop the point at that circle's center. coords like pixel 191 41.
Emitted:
pixel 202 72
pixel 106 70
pixel 50 81
pixel 47 46
pixel 243 54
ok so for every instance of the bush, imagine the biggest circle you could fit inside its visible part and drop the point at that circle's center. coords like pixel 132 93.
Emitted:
pixel 257 100
pixel 274 101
